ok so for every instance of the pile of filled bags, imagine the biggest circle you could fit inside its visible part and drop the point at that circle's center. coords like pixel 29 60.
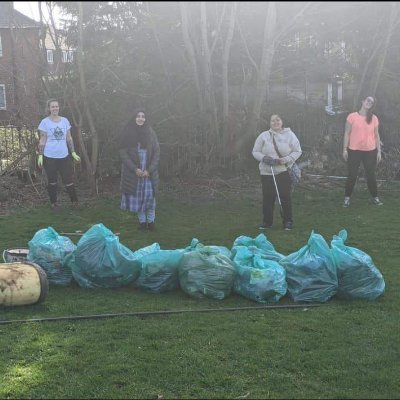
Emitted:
pixel 252 268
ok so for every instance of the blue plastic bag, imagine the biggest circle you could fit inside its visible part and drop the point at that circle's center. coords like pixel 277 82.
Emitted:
pixel 259 245
pixel 48 249
pixel 101 261
pixel 257 278
pixel 205 272
pixel 311 271
pixel 358 277
pixel 159 272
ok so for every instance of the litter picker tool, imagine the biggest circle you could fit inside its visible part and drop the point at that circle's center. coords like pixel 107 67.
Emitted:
pixel 277 192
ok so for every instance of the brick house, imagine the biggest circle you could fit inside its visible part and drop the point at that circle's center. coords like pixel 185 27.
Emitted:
pixel 20 67
pixel 58 54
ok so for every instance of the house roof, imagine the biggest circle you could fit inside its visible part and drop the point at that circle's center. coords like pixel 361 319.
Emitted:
pixel 11 18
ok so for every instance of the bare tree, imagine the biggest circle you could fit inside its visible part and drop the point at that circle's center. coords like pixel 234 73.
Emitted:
pixel 225 61
pixel 207 72
pixel 92 164
pixel 264 70
pixel 191 52
pixel 393 18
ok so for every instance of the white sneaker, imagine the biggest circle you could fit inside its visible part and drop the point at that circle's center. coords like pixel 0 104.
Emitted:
pixel 346 202
pixel 376 201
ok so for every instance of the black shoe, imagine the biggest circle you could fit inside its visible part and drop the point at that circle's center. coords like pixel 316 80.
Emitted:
pixel 288 226
pixel 56 208
pixel 142 226
pixel 151 226
pixel 264 226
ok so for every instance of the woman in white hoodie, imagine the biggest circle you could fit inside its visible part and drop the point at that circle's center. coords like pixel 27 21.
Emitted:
pixel 276 150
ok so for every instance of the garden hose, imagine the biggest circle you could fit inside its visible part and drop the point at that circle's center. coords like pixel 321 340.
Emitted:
pixel 153 313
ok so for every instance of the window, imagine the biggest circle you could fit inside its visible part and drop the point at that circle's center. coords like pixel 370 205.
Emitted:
pixel 3 97
pixel 50 59
pixel 67 56
pixel 1 48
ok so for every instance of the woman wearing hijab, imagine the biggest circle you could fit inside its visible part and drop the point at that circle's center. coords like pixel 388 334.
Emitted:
pixel 140 154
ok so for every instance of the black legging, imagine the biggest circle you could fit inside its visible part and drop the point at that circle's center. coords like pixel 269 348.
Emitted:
pixel 269 196
pixel 53 166
pixel 368 158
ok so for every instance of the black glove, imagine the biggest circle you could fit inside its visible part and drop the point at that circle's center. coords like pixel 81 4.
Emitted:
pixel 270 161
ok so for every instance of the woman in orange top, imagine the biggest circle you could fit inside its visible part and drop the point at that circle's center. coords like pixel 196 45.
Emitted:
pixel 362 144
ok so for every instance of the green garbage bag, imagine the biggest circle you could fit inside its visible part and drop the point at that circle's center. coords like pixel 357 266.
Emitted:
pixel 195 245
pixel 259 245
pixel 159 271
pixel 358 277
pixel 49 250
pixel 100 261
pixel 311 271
pixel 143 252
pixel 258 278
pixel 205 272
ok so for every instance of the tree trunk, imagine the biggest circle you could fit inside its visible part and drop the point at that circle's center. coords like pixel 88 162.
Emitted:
pixel 192 54
pixel 225 82
pixel 376 45
pixel 225 60
pixel 170 97
pixel 265 68
pixel 208 78
pixel 382 58
pixel 92 165
pixel 16 116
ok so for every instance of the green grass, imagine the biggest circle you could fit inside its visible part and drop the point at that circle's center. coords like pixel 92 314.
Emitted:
pixel 338 350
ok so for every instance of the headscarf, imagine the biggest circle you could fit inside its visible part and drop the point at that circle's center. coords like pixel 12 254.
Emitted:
pixel 132 134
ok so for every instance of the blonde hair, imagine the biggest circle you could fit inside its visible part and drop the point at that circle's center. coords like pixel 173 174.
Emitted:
pixel 48 102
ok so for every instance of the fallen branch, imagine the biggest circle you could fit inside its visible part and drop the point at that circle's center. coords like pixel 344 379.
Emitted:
pixel 11 167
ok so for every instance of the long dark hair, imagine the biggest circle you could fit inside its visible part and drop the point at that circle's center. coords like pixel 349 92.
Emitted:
pixel 370 112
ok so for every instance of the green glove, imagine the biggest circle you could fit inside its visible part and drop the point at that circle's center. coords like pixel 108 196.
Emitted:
pixel 40 161
pixel 76 157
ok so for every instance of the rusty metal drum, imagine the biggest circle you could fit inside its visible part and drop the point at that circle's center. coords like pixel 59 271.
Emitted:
pixel 22 283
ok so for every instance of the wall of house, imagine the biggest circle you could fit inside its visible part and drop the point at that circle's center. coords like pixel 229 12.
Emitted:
pixel 20 68
pixel 59 64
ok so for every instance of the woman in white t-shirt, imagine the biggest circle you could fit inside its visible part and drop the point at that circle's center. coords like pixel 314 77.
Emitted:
pixel 55 146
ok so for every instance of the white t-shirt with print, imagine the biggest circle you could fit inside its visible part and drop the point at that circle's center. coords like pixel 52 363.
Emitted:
pixel 56 144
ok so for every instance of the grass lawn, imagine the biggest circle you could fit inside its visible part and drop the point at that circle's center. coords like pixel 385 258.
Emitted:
pixel 340 349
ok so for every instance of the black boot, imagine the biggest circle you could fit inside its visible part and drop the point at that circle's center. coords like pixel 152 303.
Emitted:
pixel 142 226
